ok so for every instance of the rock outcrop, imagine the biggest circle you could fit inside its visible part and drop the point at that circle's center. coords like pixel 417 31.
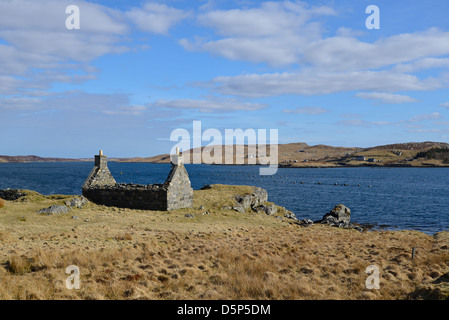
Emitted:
pixel 77 202
pixel 339 216
pixel 251 201
pixel 258 197
pixel 257 201
pixel 55 209
pixel 269 209
pixel 11 194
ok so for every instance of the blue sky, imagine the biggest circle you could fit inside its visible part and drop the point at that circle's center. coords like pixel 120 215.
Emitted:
pixel 137 70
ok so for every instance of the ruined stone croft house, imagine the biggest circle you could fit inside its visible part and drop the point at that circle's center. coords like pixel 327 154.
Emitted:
pixel 100 187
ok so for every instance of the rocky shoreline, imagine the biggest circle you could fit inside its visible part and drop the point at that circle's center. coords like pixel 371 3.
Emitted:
pixel 257 202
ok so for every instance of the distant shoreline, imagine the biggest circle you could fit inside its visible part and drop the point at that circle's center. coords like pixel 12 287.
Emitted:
pixel 279 166
pixel 301 155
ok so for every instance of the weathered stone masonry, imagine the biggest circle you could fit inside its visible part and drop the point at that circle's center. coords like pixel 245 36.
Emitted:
pixel 100 187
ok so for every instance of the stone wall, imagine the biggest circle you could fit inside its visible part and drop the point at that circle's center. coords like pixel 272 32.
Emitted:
pixel 100 187
pixel 151 197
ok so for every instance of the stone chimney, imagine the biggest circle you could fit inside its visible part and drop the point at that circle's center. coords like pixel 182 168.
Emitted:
pixel 100 175
pixel 101 160
pixel 177 159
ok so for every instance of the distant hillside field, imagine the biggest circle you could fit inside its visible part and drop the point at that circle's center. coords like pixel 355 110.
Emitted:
pixel 302 155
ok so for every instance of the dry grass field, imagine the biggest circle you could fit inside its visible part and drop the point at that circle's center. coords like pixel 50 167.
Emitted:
pixel 221 254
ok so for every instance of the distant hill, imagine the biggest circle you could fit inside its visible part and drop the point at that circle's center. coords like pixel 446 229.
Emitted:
pixel 32 159
pixel 416 146
pixel 300 154
pixel 164 158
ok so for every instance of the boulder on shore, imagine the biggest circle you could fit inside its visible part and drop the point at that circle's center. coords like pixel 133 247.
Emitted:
pixel 339 216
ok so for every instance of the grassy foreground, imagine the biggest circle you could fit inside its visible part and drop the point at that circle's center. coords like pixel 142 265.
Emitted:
pixel 136 254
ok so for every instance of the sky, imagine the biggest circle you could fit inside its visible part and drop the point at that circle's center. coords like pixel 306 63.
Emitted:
pixel 135 71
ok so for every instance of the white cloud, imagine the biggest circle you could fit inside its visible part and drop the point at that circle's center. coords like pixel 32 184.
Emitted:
pixel 62 46
pixel 344 53
pixel 9 85
pixel 277 51
pixel 127 110
pixel 211 105
pixel 19 103
pixel 38 28
pixel 37 50
pixel 347 32
pixel 423 64
pixel 385 97
pixel 306 110
pixel 429 130
pixel 445 104
pixel 353 122
pixel 284 33
pixel 49 15
pixel 78 101
pixel 381 123
pixel 270 19
pixel 411 124
pixel 273 33
pixel 424 117
pixel 156 18
pixel 287 33
pixel 310 82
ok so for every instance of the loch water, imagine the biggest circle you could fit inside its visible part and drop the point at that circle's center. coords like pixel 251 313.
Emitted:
pixel 390 198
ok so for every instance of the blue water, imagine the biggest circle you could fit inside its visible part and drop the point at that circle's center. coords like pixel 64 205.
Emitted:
pixel 399 198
